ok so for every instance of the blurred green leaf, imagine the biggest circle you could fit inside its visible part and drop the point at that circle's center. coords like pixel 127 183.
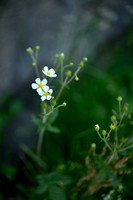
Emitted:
pixel 57 193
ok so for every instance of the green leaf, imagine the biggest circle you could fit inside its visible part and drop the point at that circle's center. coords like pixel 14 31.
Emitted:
pixel 52 129
pixel 57 193
pixel 9 171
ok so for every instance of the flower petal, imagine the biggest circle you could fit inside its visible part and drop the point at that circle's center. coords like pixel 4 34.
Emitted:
pixel 46 88
pixel 37 80
pixel 53 75
pixel 43 98
pixel 34 86
pixel 52 71
pixel 45 68
pixel 48 97
pixel 44 81
pixel 50 91
pixel 39 90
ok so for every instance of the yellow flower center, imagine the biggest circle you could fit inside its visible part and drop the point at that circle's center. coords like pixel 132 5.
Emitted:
pixel 48 73
pixel 46 93
pixel 40 85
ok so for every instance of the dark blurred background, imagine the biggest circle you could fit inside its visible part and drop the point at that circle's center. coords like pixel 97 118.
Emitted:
pixel 100 30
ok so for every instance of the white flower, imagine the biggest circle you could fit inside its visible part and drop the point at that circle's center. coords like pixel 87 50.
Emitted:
pixel 49 72
pixel 45 93
pixel 38 84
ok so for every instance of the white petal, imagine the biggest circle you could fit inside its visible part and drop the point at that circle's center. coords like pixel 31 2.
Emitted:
pixel 44 81
pixel 37 80
pixel 39 90
pixel 48 97
pixel 45 68
pixel 34 86
pixel 52 71
pixel 50 91
pixel 46 88
pixel 53 75
pixel 43 98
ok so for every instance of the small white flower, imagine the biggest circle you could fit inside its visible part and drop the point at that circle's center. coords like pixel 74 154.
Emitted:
pixel 45 93
pixel 49 72
pixel 38 84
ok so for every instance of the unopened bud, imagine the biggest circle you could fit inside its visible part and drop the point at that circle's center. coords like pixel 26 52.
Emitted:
pixel 85 59
pixel 29 50
pixel 81 64
pixel 37 47
pixel 104 132
pixel 76 78
pixel 71 64
pixel 97 128
pixel 53 102
pixel 113 118
pixel 34 64
pixel 119 98
pixel 69 73
pixel 93 146
pixel 64 104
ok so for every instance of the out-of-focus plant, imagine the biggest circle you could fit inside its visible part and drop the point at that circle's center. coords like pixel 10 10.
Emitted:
pixel 107 169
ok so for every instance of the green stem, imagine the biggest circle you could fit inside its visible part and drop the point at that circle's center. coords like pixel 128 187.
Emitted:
pixel 61 89
pixel 76 72
pixel 39 145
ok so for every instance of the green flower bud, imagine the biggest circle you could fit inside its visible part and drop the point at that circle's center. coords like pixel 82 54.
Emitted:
pixel 29 50
pixel 69 73
pixel 37 47
pixel 119 98
pixel 57 56
pixel 104 132
pixel 34 64
pixel 85 59
pixel 81 64
pixel 52 102
pixel 125 107
pixel 62 56
pixel 76 78
pixel 64 104
pixel 113 118
pixel 44 104
pixel 71 64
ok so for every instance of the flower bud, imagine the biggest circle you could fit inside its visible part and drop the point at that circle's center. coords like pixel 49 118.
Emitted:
pixel 113 118
pixel 97 128
pixel 104 132
pixel 57 56
pixel 69 73
pixel 53 102
pixel 71 64
pixel 62 56
pixel 44 104
pixel 85 59
pixel 119 98
pixel 64 104
pixel 93 146
pixel 81 64
pixel 112 127
pixel 37 47
pixel 34 64
pixel 76 78
pixel 29 50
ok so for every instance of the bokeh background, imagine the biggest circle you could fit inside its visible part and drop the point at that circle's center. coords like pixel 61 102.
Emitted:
pixel 100 30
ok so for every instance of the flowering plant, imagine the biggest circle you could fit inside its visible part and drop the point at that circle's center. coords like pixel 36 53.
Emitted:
pixel 44 88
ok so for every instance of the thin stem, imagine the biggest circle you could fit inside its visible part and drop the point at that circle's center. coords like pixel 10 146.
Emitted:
pixel 39 145
pixel 62 71
pixel 74 75
pixel 125 148
pixel 61 89
pixel 107 144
